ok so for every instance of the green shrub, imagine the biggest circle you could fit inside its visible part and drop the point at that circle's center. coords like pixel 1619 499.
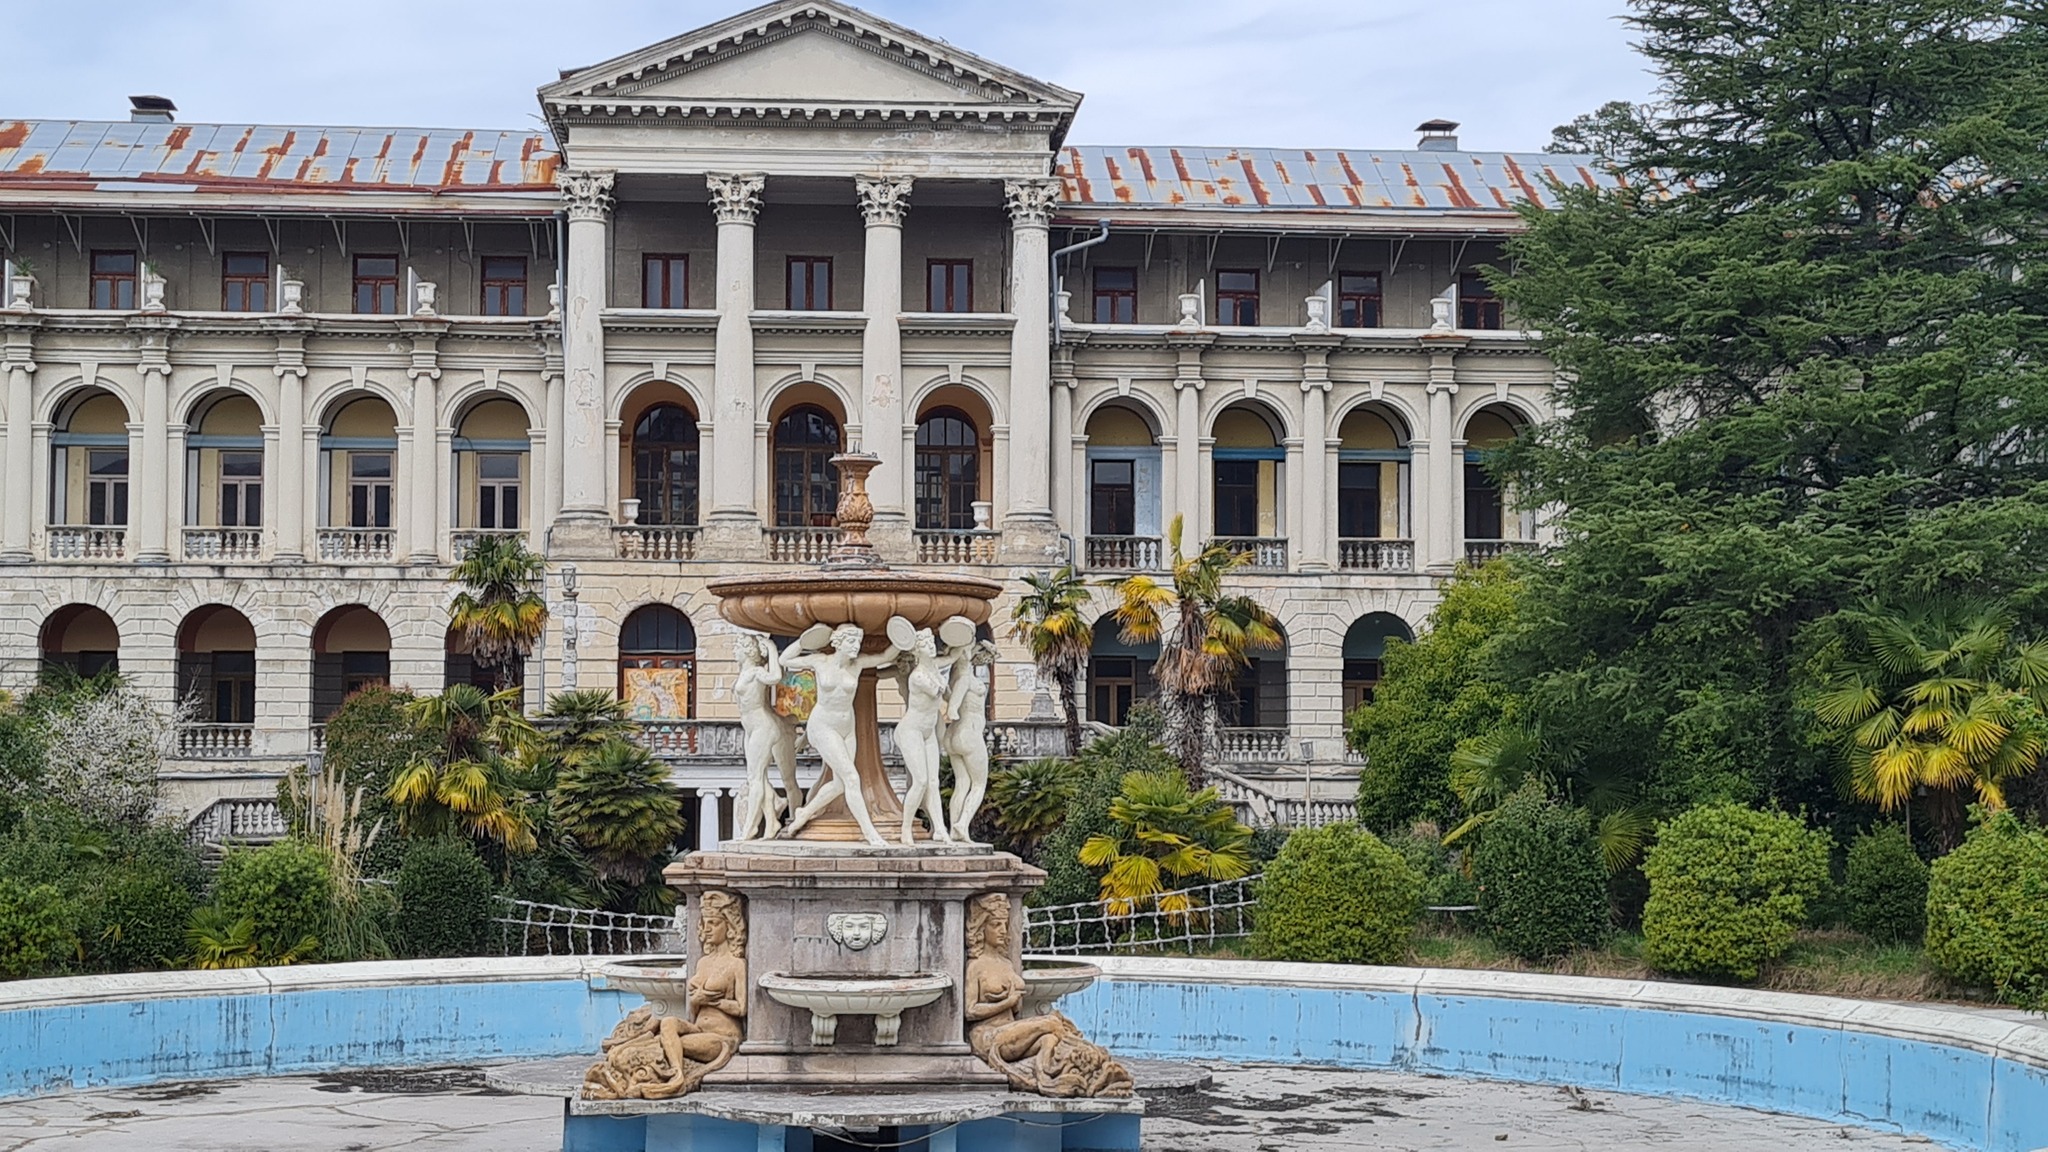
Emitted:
pixel 445 899
pixel 1444 883
pixel 1542 885
pixel 128 890
pixel 369 739
pixel 1884 886
pixel 284 889
pixel 1100 773
pixel 137 922
pixel 35 929
pixel 1728 888
pixel 1337 894
pixel 1987 909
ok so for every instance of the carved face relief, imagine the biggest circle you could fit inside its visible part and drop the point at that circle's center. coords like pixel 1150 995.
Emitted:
pixel 857 930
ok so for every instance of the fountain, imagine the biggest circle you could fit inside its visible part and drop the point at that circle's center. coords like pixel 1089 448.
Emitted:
pixel 853 959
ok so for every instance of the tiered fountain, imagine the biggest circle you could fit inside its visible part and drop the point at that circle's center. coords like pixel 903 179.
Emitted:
pixel 853 967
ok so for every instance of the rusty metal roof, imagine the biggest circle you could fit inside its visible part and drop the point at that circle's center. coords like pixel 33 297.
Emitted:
pixel 100 155
pixel 1255 178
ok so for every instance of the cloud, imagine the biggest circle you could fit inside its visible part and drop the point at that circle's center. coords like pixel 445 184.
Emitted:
pixel 1327 73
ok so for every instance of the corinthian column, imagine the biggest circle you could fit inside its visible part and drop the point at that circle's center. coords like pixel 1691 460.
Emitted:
pixel 1030 534
pixel 733 527
pixel 883 201
pixel 583 527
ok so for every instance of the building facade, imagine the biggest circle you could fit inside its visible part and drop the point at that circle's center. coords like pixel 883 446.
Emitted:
pixel 262 386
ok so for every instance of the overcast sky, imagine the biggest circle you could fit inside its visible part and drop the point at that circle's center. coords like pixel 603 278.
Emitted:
pixel 1283 73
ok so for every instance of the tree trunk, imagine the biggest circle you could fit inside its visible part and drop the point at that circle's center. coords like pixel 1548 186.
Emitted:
pixel 1064 681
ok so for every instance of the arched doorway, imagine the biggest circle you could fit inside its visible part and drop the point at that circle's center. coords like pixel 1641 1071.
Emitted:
pixel 1373 478
pixel 948 470
pixel 224 456
pixel 89 478
pixel 217 665
pixel 491 468
pixel 82 639
pixel 1248 482
pixel 358 482
pixel 1123 491
pixel 1492 524
pixel 806 485
pixel 658 664
pixel 1365 645
pixel 665 461
pixel 1257 697
pixel 1119 674
pixel 351 652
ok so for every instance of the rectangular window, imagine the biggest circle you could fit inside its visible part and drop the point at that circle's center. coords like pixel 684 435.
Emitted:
pixel 1483 507
pixel 1112 498
pixel 504 286
pixel 1358 501
pixel 113 280
pixel 234 687
pixel 949 286
pixel 1478 307
pixel 810 283
pixel 241 489
pixel 369 490
pixel 376 285
pixel 245 282
pixel 1112 688
pixel 665 282
pixel 1358 300
pixel 1237 298
pixel 1237 497
pixel 1116 295
pixel 497 489
pixel 360 670
pixel 106 486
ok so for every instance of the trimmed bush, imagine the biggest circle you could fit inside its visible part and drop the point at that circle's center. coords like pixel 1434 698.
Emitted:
pixel 1987 909
pixel 35 929
pixel 445 899
pixel 1542 885
pixel 1728 887
pixel 284 889
pixel 1337 894
pixel 1884 886
pixel 138 922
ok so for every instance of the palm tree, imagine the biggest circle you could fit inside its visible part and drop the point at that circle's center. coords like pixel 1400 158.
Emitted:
pixel 500 610
pixel 1489 768
pixel 1048 619
pixel 617 803
pixel 1030 799
pixel 1164 834
pixel 1937 696
pixel 464 785
pixel 1208 641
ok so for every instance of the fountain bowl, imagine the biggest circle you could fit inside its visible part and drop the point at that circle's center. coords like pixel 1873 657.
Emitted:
pixel 827 998
pixel 663 980
pixel 1045 981
pixel 787 603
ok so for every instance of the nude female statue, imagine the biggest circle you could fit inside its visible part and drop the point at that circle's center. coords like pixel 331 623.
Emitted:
pixel 770 737
pixel 1043 1054
pixel 650 1057
pixel 838 670
pixel 917 735
pixel 966 738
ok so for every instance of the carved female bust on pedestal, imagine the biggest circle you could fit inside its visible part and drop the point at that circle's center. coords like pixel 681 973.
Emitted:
pixel 650 1057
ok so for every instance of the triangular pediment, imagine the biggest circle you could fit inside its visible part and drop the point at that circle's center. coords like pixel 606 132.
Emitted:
pixel 804 52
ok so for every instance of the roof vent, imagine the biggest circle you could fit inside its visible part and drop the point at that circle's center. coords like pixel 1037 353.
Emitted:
pixel 152 109
pixel 1438 135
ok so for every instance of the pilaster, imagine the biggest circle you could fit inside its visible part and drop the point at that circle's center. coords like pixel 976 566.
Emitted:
pixel 1438 532
pixel 288 466
pixel 422 476
pixel 1314 528
pixel 17 502
pixel 1188 471
pixel 150 462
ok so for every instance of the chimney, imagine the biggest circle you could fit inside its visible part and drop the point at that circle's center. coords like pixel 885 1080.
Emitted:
pixel 151 109
pixel 1438 135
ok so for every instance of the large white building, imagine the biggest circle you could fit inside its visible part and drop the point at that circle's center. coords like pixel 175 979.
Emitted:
pixel 261 385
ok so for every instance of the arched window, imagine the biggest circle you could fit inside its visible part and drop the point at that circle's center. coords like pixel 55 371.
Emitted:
pixel 806 484
pixel 657 664
pixel 665 465
pixel 948 470
pixel 1365 645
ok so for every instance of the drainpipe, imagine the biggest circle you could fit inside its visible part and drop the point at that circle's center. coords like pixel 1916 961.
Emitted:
pixel 1091 242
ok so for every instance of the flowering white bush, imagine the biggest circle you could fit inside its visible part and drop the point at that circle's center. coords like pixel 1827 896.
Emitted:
pixel 103 752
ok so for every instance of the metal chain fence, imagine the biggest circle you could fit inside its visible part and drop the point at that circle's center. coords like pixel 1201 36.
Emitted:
pixel 530 929
pixel 1190 920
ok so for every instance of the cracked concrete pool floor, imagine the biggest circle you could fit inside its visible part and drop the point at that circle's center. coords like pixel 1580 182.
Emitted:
pixel 1249 1108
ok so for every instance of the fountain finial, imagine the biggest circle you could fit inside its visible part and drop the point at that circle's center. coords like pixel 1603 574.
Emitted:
pixel 856 512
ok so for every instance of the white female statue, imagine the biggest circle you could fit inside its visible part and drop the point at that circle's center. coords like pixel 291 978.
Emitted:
pixel 917 734
pixel 966 739
pixel 770 737
pixel 838 669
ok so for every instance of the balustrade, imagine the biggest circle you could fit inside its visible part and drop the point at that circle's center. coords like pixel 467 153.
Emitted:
pixel 81 542
pixel 1122 553
pixel 1376 555
pixel 801 545
pixel 1267 553
pixel 1481 551
pixel 224 545
pixel 1254 745
pixel 215 741
pixel 250 821
pixel 355 545
pixel 662 542
pixel 462 540
pixel 956 546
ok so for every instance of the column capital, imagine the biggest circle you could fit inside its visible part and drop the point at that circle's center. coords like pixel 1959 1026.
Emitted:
pixel 883 199
pixel 735 197
pixel 586 193
pixel 1031 201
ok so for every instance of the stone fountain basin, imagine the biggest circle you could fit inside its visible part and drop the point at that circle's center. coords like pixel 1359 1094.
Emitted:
pixel 1045 981
pixel 786 603
pixel 827 998
pixel 663 980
